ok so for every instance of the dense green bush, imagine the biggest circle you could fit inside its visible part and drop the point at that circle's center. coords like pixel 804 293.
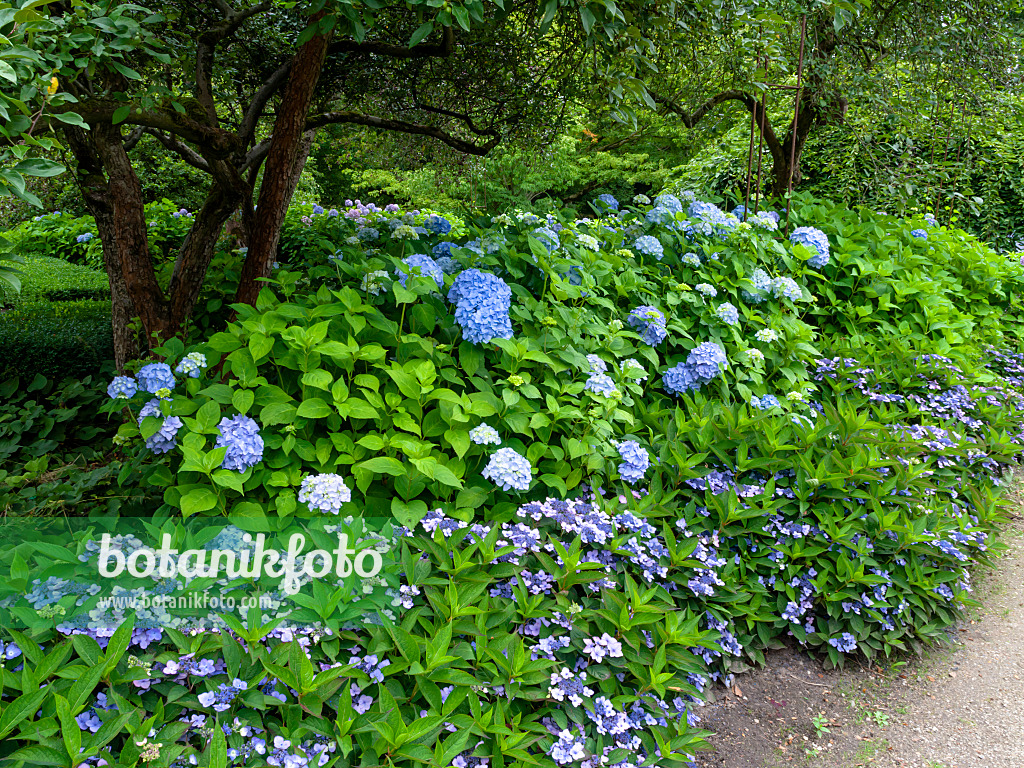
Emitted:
pixel 55 339
pixel 48 279
pixel 791 492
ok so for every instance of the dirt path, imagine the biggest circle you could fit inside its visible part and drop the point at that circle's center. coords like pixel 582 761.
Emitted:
pixel 961 706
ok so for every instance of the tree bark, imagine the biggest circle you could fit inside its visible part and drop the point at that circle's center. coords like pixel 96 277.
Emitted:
pixel 288 151
pixel 92 182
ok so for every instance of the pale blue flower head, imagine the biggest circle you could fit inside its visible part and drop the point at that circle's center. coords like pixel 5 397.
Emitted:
pixel 122 388
pixel 815 241
pixel 509 470
pixel 324 493
pixel 241 436
pixel 155 376
pixel 485 434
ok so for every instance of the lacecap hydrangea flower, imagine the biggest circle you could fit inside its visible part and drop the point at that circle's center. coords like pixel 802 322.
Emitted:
pixel 482 301
pixel 324 493
pixel 191 364
pixel 649 246
pixel 166 437
pixel 635 461
pixel 122 388
pixel 427 266
pixel 815 241
pixel 649 323
pixel 509 470
pixel 241 436
pixel 485 434
pixel 154 377
pixel 919 233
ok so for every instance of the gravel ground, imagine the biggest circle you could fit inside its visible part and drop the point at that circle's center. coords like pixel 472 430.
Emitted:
pixel 960 706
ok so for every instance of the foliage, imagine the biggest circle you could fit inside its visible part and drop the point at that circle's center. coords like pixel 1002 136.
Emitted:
pixel 837 500
pixel 49 279
pixel 55 339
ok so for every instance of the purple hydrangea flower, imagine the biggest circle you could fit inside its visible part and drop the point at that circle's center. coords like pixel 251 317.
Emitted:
pixel 241 436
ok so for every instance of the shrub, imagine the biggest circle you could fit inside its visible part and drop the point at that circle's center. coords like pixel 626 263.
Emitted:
pixel 56 339
pixel 48 279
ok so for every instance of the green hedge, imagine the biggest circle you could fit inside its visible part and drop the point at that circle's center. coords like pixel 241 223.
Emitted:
pixel 56 339
pixel 44 278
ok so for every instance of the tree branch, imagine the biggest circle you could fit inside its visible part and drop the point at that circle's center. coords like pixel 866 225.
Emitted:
pixel 438 50
pixel 183 151
pixel 400 126
pixel 247 128
pixel 206 48
pixel 133 138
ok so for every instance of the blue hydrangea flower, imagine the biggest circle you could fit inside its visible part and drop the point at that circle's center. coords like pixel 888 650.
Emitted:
pixel 439 225
pixel 241 436
pixel 547 237
pixel 739 211
pixel 191 364
pixel 680 378
pixel 367 234
pixel 649 323
pixel 845 643
pixel 762 284
pixel 482 301
pixel 597 365
pixel 765 221
pixel 509 470
pixel 444 248
pixel 449 265
pixel 324 493
pixel 154 377
pixel 704 289
pixel 660 215
pixel 601 384
pixel 427 266
pixel 764 403
pixel 635 461
pixel 919 233
pixel 786 287
pixel 609 201
pixel 122 388
pixel 930 220
pixel 728 314
pixel 649 246
pixel 485 434
pixel 634 367
pixel 84 238
pixel 815 241
pixel 691 259
pixel 708 359
pixel 669 202
pixel 165 438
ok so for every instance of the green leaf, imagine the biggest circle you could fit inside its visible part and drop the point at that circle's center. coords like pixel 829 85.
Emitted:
pixel 198 500
pixel 314 408
pixel 242 400
pixel 121 114
pixel 421 33
pixel 383 465
pixel 20 709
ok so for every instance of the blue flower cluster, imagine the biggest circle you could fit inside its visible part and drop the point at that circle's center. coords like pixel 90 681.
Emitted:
pixel 635 461
pixel 815 241
pixel 482 301
pixel 764 403
pixel 154 377
pixel 727 313
pixel 241 436
pixel 649 323
pixel 191 364
pixel 438 225
pixel 122 388
pixel 786 287
pixel 703 364
pixel 427 267
pixel 609 201
pixel 166 437
pixel 919 233
pixel 484 434
pixel 84 238
pixel 548 238
pixel 649 246
pixel 509 470
pixel 324 493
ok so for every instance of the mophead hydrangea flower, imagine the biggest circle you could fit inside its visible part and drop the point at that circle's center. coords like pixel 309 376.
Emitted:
pixel 609 201
pixel 786 287
pixel 484 434
pixel 635 461
pixel 680 378
pixel 764 403
pixel 241 436
pixel 154 377
pixel 919 233
pixel 191 364
pixel 601 384
pixel 649 323
pixel 324 493
pixel 509 470
pixel 373 282
pixel 427 267
pixel 635 368
pixel 438 225
pixel 597 365
pixel 706 289
pixel 649 246
pixel 708 360
pixel 548 238
pixel 482 302
pixel 444 248
pixel 815 241
pixel 766 335
pixel 669 202
pixel 762 283
pixel 122 388
pixel 691 259
pixel 166 437
pixel 727 313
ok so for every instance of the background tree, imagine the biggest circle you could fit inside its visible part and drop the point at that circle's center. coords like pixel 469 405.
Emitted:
pixel 238 92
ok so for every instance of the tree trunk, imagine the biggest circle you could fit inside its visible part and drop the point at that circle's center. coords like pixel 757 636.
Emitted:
pixel 96 192
pixel 288 150
pixel 130 235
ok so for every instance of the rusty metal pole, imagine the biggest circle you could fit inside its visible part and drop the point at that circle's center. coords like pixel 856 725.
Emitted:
pixel 750 165
pixel 760 150
pixel 796 120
